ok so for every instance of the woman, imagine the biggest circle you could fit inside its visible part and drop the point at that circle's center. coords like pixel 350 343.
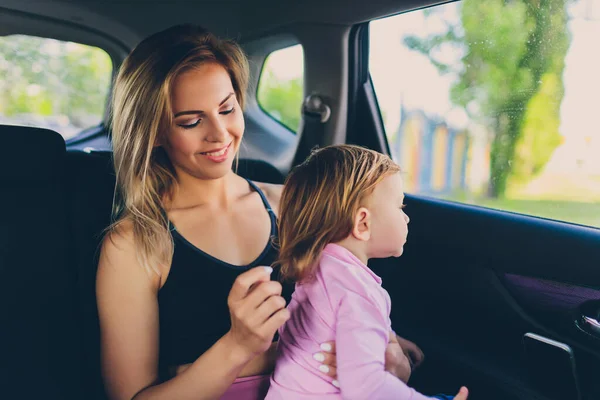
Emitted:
pixel 186 305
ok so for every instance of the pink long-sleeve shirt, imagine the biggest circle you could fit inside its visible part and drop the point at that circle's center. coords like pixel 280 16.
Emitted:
pixel 346 303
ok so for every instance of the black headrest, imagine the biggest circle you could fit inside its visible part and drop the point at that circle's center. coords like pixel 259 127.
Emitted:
pixel 32 154
pixel 259 170
pixel 81 163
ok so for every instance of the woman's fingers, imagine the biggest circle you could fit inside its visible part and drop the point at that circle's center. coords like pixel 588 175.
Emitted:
pixel 412 351
pixel 328 347
pixel 269 307
pixel 257 310
pixel 274 322
pixel 328 370
pixel 261 292
pixel 396 362
pixel 261 306
pixel 326 358
pixel 247 280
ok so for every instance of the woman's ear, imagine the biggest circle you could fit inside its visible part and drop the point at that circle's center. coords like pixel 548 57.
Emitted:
pixel 361 228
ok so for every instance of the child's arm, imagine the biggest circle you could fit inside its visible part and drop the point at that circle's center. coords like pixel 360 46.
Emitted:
pixel 362 335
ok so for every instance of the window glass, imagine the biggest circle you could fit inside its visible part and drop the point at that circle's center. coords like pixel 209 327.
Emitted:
pixel 281 86
pixel 52 84
pixel 494 103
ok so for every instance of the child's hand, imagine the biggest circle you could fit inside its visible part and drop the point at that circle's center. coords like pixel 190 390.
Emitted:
pixel 463 393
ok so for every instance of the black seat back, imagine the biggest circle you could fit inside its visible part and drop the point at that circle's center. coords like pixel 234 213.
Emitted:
pixel 91 187
pixel 39 333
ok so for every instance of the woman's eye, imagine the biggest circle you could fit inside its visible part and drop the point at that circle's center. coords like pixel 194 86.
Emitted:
pixel 190 126
pixel 226 112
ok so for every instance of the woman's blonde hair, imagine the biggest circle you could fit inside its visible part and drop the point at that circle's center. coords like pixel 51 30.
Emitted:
pixel 141 115
pixel 320 200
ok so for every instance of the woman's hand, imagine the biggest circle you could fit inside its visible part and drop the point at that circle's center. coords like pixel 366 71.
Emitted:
pixel 396 361
pixel 257 310
pixel 328 361
pixel 412 351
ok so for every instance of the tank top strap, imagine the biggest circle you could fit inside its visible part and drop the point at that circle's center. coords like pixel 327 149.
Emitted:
pixel 267 206
pixel 262 196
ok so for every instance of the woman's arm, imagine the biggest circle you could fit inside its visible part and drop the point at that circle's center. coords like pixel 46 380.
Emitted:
pixel 207 378
pixel 262 364
pixel 128 311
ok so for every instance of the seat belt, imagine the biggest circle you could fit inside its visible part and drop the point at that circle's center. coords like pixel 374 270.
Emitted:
pixel 315 114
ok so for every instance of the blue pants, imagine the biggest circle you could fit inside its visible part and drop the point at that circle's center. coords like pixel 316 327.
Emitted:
pixel 443 397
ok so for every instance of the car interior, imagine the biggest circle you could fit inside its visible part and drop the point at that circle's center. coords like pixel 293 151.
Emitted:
pixel 505 302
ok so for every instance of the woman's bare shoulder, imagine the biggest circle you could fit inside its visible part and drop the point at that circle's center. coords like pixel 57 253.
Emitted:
pixel 118 257
pixel 119 238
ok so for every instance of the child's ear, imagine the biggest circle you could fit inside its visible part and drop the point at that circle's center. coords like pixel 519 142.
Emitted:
pixel 361 229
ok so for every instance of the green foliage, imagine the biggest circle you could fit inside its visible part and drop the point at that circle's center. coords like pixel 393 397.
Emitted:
pixel 45 77
pixel 282 99
pixel 509 78
pixel 539 133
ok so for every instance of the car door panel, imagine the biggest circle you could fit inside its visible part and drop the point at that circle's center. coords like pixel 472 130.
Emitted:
pixel 473 281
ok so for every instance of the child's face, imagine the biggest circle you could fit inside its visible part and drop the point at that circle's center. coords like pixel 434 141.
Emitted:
pixel 389 223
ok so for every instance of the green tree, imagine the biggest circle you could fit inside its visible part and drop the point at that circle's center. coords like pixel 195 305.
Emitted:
pixel 282 99
pixel 510 78
pixel 46 77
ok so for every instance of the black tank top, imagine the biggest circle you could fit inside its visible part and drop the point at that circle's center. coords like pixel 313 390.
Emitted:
pixel 193 312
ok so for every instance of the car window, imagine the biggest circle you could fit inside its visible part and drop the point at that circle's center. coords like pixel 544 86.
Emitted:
pixel 281 86
pixel 494 103
pixel 53 84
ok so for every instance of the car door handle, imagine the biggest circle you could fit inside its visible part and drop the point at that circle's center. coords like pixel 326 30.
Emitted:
pixel 589 321
pixel 591 324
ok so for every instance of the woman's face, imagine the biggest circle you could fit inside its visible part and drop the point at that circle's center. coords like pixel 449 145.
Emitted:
pixel 208 123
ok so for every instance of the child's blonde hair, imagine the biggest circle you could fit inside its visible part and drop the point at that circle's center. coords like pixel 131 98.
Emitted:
pixel 319 201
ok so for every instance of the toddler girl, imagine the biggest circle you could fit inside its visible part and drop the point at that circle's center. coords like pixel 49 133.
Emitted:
pixel 341 207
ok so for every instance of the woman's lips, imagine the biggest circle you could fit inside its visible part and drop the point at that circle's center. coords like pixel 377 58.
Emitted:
pixel 219 155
